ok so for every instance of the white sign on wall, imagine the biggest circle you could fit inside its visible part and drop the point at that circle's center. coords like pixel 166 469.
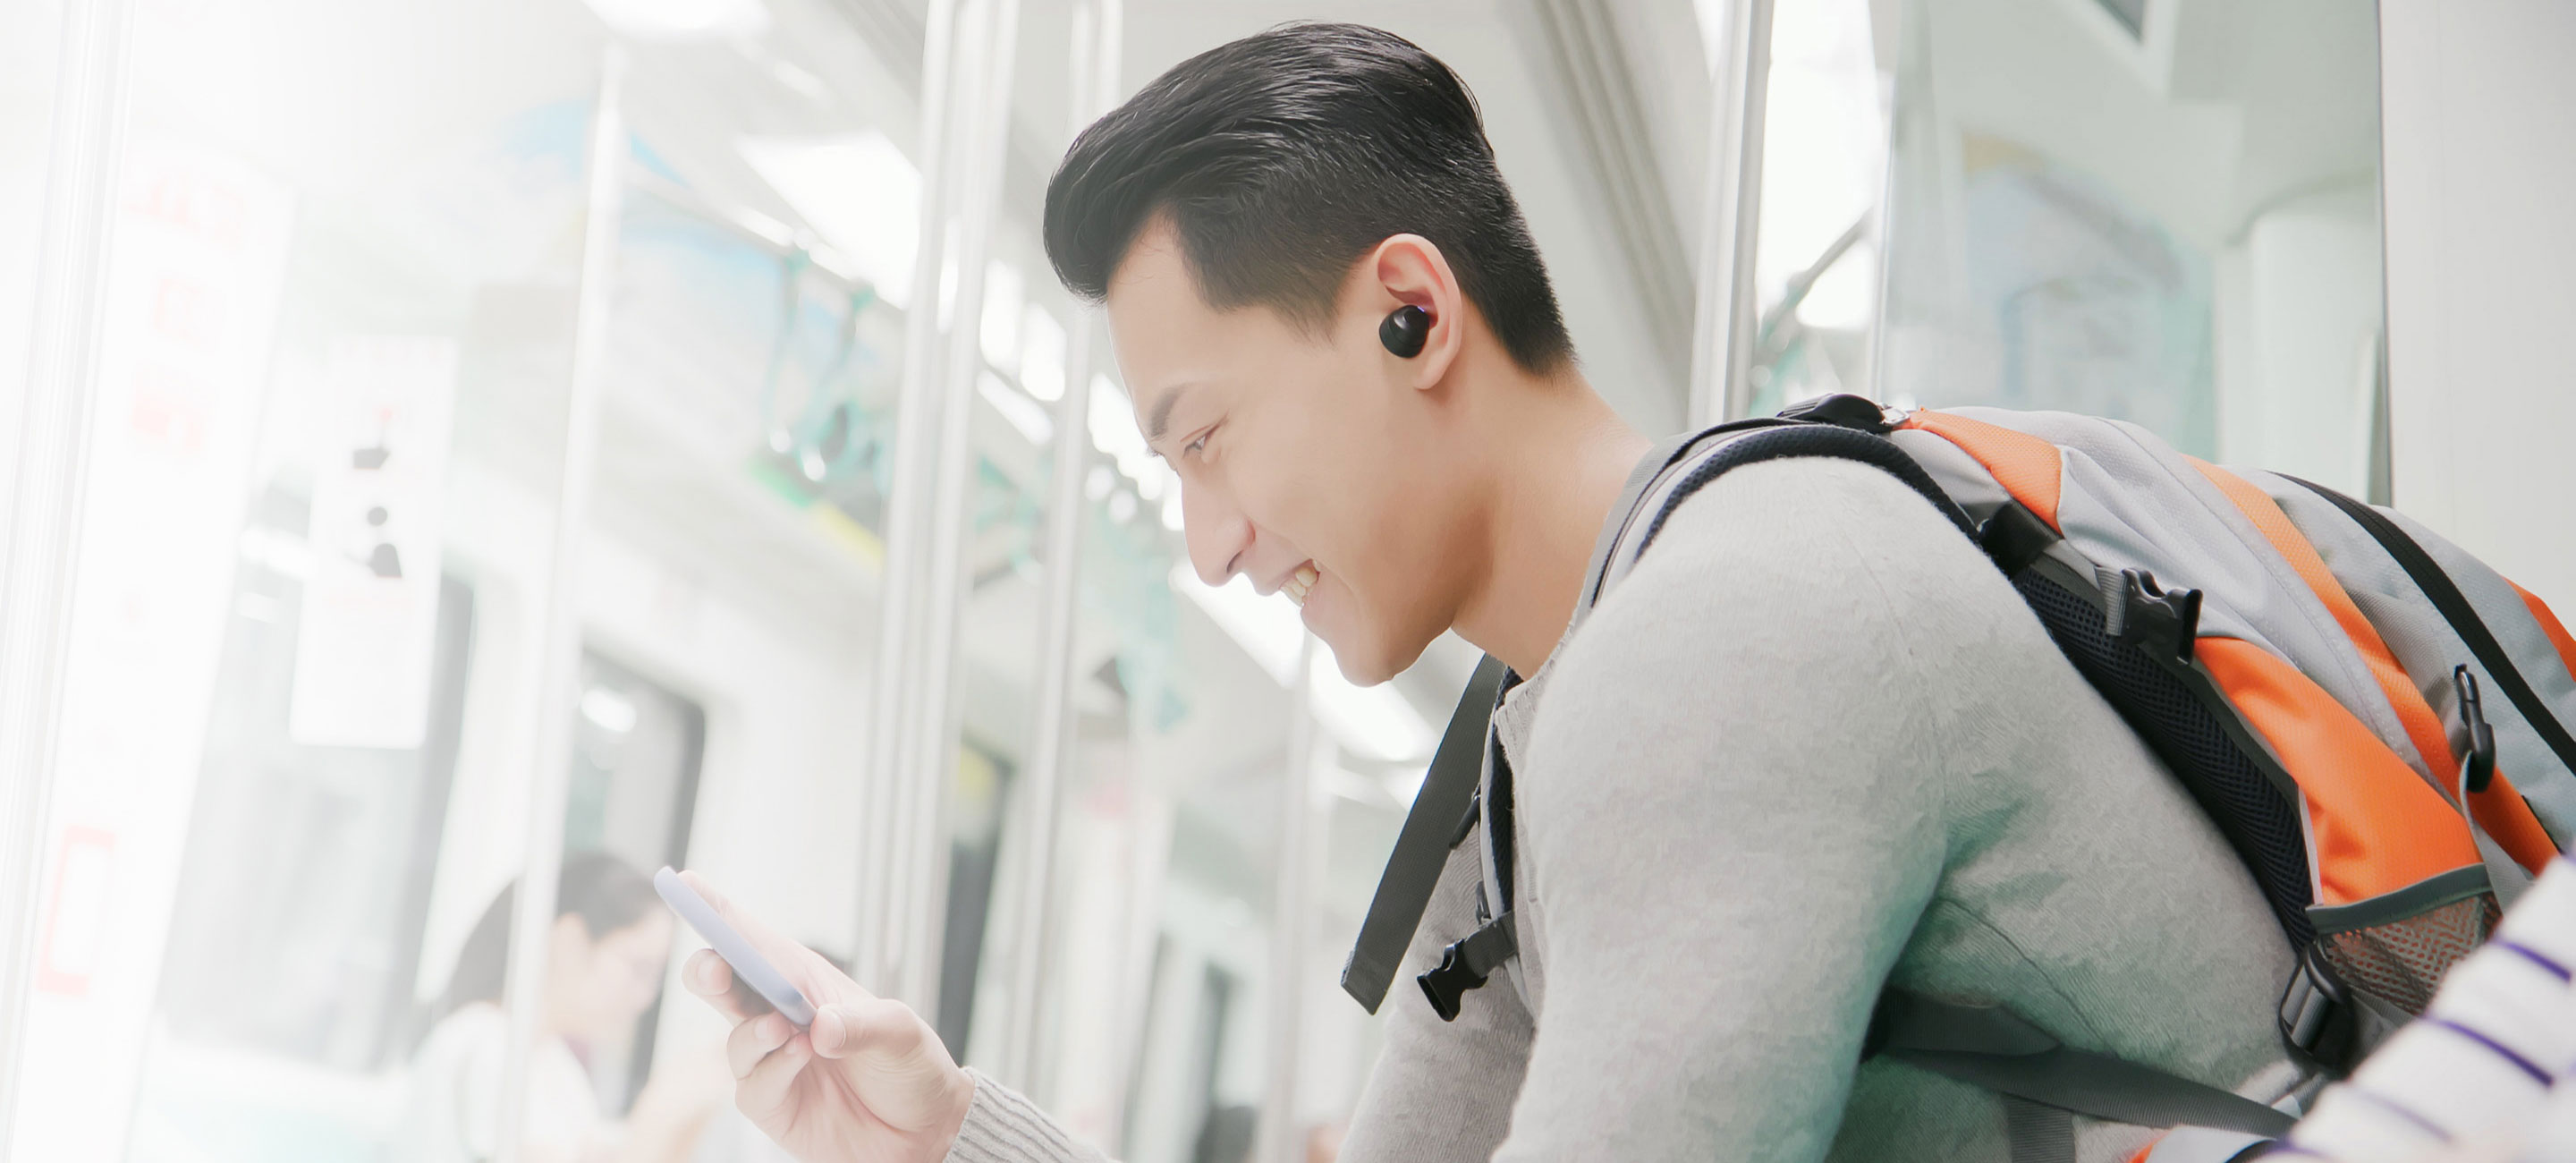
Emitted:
pixel 364 649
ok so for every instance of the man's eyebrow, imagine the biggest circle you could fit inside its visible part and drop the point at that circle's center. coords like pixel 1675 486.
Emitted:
pixel 1160 419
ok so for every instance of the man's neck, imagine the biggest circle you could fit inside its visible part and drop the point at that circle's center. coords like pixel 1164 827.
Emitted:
pixel 1558 459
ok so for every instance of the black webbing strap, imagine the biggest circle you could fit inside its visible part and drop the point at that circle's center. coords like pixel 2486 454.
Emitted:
pixel 1422 847
pixel 1987 1046
pixel 2430 577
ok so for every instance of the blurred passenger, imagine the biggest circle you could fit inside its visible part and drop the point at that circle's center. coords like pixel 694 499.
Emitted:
pixel 605 957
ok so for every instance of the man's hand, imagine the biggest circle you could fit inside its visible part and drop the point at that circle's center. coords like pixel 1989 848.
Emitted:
pixel 870 1083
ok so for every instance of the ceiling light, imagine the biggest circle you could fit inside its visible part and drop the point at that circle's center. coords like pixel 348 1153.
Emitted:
pixel 613 712
pixel 1004 293
pixel 682 19
pixel 1372 722
pixel 1025 414
pixel 1042 354
pixel 1266 629
pixel 858 192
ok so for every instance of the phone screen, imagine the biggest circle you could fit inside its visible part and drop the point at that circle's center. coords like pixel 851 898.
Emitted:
pixel 749 966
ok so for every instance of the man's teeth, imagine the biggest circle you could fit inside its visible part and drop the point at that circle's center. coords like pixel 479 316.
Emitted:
pixel 1299 584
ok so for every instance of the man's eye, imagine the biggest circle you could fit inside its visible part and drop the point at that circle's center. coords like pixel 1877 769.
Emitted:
pixel 1199 445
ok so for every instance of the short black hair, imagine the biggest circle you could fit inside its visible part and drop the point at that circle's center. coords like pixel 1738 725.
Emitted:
pixel 1282 158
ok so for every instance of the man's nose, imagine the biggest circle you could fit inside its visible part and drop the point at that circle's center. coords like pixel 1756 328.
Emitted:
pixel 1216 533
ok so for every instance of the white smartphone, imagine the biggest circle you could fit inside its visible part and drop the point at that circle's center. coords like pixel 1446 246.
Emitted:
pixel 749 966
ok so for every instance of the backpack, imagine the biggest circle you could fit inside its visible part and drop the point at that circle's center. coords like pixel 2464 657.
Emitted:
pixel 2311 668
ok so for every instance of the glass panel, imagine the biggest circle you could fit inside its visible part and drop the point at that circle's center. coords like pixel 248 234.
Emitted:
pixel 30 46
pixel 736 549
pixel 1824 148
pixel 2164 212
pixel 335 344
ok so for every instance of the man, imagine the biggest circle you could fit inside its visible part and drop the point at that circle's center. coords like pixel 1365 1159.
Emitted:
pixel 1810 747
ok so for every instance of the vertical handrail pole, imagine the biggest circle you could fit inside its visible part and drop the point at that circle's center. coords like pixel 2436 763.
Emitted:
pixel 1290 925
pixel 559 628
pixel 933 744
pixel 1722 333
pixel 909 452
pixel 1095 56
pixel 50 471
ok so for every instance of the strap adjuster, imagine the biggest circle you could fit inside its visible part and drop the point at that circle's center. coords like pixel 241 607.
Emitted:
pixel 2317 1013
pixel 2157 619
pixel 2477 764
pixel 1467 964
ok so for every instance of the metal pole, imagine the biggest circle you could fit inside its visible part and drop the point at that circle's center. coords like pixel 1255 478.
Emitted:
pixel 1095 56
pixel 533 912
pixel 906 499
pixel 1722 335
pixel 932 746
pixel 50 481
pixel 1281 1138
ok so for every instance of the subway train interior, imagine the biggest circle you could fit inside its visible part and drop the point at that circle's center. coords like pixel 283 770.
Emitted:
pixel 455 439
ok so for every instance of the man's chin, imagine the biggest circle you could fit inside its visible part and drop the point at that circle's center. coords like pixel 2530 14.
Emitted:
pixel 1370 663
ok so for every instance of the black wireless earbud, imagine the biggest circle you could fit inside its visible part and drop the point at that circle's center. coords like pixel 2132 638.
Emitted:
pixel 1406 329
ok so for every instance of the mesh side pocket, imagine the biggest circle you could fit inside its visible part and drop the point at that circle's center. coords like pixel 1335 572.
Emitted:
pixel 2404 960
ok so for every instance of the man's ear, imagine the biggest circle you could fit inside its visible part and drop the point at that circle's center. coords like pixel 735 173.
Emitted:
pixel 1410 271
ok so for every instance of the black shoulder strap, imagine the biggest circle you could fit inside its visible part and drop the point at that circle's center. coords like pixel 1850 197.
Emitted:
pixel 2429 576
pixel 1448 790
pixel 1987 1046
pixel 1434 825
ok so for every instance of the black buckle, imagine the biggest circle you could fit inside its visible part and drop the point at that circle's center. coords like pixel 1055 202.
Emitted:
pixel 2317 1014
pixel 1842 410
pixel 2477 768
pixel 2015 537
pixel 1467 965
pixel 2155 619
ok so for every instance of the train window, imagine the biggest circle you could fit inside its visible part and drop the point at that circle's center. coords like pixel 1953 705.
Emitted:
pixel 306 627
pixel 984 783
pixel 2164 212
pixel 296 934
pixel 632 793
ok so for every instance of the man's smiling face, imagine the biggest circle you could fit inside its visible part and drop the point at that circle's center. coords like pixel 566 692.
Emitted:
pixel 1310 461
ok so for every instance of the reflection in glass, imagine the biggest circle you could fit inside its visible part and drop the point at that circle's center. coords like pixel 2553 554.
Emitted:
pixel 2163 213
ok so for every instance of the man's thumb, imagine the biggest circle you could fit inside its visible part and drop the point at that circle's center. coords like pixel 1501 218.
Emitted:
pixel 832 1031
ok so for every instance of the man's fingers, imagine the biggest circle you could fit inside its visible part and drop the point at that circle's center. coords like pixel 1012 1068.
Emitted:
pixel 766 1093
pixel 884 1030
pixel 821 982
pixel 707 976
pixel 753 1040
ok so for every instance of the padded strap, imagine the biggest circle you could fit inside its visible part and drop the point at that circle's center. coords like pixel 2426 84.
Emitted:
pixel 1798 440
pixel 1431 829
pixel 1987 1046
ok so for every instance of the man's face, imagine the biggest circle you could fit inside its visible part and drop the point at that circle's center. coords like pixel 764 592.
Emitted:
pixel 1301 450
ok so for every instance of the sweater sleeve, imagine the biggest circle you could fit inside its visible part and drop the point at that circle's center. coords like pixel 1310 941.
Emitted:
pixel 1003 1127
pixel 1731 816
pixel 1442 1091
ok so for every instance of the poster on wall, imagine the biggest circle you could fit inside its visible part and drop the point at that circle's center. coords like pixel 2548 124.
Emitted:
pixel 186 324
pixel 363 651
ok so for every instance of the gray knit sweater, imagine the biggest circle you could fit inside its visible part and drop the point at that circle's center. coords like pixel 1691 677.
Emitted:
pixel 1813 745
